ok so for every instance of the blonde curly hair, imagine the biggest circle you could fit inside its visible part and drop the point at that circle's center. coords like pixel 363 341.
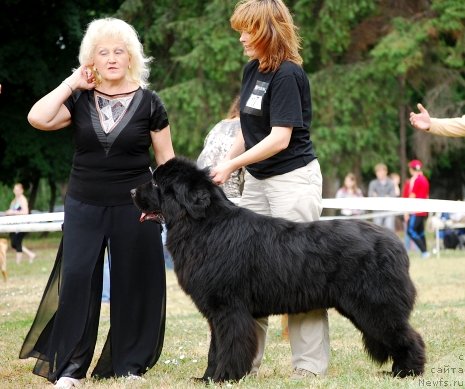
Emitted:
pixel 113 28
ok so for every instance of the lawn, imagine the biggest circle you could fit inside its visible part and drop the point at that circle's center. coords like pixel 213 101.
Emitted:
pixel 439 316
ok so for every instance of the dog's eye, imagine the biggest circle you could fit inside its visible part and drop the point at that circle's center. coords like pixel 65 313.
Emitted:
pixel 154 184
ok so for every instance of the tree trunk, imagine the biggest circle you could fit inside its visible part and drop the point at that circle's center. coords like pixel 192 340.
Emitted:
pixel 53 194
pixel 402 110
pixel 34 191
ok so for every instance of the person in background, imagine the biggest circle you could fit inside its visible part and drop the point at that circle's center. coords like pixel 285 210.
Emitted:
pixel 395 178
pixel 19 206
pixel 115 121
pixel 408 242
pixel 217 144
pixel 349 189
pixel 452 127
pixel 283 177
pixel 417 187
pixel 382 186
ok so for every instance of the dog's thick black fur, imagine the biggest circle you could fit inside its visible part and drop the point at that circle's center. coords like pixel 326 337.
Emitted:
pixel 237 265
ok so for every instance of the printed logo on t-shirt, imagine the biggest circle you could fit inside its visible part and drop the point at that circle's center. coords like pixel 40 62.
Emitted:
pixel 254 103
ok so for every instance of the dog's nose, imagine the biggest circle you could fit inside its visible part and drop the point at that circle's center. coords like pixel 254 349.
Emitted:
pixel 133 192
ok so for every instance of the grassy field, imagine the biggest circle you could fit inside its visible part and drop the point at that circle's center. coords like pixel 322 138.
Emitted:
pixel 439 316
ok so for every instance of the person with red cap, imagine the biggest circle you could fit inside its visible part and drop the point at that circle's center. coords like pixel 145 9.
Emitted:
pixel 452 127
pixel 417 187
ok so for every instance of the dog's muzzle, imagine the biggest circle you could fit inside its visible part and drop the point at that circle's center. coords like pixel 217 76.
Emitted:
pixel 145 216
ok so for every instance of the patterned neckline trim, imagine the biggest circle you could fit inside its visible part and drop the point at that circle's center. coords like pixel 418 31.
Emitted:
pixel 117 94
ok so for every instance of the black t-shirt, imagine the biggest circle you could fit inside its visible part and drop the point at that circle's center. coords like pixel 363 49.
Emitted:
pixel 107 166
pixel 282 99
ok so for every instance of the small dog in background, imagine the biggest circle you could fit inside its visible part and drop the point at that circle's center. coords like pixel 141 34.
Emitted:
pixel 3 250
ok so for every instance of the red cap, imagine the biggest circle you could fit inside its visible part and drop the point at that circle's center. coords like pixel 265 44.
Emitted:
pixel 415 164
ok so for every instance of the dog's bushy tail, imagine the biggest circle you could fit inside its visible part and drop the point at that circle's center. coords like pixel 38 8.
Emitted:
pixel 406 348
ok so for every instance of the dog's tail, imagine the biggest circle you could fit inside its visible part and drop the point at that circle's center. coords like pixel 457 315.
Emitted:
pixel 406 349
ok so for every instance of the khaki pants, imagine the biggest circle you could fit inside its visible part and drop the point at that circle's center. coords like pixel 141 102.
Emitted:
pixel 294 196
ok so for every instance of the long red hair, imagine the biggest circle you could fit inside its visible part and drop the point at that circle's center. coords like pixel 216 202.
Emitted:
pixel 274 36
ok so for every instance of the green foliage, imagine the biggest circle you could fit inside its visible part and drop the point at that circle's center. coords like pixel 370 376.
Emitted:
pixel 350 128
pixel 369 63
pixel 40 49
pixel 197 67
pixel 397 53
pixel 326 27
pixel 450 25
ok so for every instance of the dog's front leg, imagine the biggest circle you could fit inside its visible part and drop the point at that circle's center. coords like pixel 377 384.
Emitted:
pixel 212 362
pixel 211 366
pixel 236 344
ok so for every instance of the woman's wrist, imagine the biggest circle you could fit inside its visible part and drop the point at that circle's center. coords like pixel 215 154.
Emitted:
pixel 233 164
pixel 68 84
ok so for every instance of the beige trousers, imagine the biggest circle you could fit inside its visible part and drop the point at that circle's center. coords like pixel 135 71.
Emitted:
pixel 294 196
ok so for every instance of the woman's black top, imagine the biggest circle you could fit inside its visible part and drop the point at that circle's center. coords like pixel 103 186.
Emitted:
pixel 277 99
pixel 107 166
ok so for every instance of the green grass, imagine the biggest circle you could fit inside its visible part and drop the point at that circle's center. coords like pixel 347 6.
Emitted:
pixel 439 316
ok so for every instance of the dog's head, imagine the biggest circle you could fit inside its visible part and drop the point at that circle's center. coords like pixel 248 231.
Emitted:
pixel 178 188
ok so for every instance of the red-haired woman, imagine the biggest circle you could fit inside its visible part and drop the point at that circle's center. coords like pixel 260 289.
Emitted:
pixel 283 177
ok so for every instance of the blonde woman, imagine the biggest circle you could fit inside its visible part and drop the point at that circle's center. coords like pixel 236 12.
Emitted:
pixel 283 177
pixel 115 120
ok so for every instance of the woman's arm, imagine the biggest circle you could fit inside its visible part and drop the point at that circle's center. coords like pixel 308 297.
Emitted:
pixel 275 142
pixel 452 127
pixel 162 145
pixel 238 147
pixel 50 113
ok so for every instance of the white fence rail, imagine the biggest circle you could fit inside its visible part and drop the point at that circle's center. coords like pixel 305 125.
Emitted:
pixel 387 205
pixel 35 222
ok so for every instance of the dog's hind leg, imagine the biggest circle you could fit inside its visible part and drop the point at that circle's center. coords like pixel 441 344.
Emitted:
pixel 387 334
pixel 402 343
pixel 236 344
pixel 375 349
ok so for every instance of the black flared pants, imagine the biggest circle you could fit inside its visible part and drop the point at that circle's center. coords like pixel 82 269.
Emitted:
pixel 64 332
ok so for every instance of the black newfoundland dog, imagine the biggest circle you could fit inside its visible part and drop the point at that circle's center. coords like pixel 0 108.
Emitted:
pixel 237 265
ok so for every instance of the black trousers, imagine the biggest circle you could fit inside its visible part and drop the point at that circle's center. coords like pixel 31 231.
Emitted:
pixel 17 240
pixel 64 332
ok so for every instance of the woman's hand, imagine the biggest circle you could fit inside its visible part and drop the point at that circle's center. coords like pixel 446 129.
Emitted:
pixel 221 172
pixel 82 78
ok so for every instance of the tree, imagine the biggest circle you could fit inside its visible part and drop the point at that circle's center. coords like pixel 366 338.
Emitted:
pixel 197 62
pixel 40 49
pixel 369 63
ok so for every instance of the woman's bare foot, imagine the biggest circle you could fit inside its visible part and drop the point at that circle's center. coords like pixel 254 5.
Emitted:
pixel 32 257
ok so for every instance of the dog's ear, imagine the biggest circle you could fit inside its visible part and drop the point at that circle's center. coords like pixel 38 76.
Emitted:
pixel 195 200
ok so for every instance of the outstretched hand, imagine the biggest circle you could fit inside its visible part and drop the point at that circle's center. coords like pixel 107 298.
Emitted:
pixel 421 120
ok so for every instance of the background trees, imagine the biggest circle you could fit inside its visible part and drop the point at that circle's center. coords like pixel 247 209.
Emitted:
pixel 369 63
